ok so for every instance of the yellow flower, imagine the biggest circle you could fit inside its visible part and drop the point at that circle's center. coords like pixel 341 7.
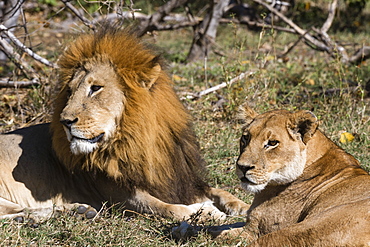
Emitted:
pixel 346 137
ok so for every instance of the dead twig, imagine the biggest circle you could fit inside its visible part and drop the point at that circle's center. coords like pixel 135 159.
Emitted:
pixel 320 46
pixel 197 95
pixel 329 21
pixel 24 48
pixel 360 55
pixel 75 11
pixel 322 41
pixel 18 84
pixel 17 59
pixel 292 46
pixel 153 20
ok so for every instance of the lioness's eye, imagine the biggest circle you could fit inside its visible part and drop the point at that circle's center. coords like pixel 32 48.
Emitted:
pixel 271 143
pixel 244 140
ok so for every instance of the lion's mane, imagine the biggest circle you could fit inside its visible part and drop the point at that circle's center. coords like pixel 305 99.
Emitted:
pixel 154 147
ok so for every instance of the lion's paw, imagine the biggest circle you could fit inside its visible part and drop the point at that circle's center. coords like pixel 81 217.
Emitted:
pixel 84 211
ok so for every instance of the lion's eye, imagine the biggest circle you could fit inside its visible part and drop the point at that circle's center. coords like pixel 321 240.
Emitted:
pixel 94 89
pixel 69 91
pixel 271 144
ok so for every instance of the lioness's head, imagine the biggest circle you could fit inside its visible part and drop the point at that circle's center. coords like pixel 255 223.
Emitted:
pixel 273 147
pixel 100 73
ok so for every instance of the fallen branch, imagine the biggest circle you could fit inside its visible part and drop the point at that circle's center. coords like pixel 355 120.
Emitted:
pixel 197 95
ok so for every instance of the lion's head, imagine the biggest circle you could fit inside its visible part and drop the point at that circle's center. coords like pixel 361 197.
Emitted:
pixel 117 113
pixel 273 147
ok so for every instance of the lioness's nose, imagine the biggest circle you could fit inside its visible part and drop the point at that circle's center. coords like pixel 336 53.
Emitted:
pixel 68 123
pixel 244 168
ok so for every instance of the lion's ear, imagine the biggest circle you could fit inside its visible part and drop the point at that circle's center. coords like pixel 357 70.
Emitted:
pixel 153 75
pixel 246 113
pixel 303 124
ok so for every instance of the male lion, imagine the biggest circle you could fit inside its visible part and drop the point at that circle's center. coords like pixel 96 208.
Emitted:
pixel 308 191
pixel 119 134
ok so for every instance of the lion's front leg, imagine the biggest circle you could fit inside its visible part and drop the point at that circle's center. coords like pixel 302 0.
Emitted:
pixel 11 210
pixel 146 203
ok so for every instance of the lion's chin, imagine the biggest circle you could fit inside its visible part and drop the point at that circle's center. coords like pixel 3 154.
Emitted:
pixel 81 146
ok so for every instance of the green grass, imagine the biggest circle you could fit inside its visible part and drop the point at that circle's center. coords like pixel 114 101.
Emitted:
pixel 303 80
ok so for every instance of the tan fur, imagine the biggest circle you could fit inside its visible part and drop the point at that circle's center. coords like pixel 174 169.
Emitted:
pixel 119 135
pixel 320 196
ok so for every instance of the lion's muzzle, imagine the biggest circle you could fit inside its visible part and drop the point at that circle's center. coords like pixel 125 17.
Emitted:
pixel 81 141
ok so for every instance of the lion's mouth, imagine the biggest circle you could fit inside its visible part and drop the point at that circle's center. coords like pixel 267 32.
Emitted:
pixel 92 140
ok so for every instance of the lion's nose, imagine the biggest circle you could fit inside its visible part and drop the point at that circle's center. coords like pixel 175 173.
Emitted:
pixel 68 123
pixel 244 168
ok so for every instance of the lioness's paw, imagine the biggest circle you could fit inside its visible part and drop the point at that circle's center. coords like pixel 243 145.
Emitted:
pixel 206 210
pixel 236 208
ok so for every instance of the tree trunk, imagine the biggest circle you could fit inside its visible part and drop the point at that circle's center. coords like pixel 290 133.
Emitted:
pixel 205 32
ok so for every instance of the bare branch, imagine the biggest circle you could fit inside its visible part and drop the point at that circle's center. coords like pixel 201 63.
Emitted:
pixel 260 25
pixel 331 15
pixel 17 59
pixel 219 86
pixel 85 21
pixel 8 83
pixel 292 46
pixel 24 48
pixel 323 41
pixel 320 46
pixel 154 19
pixel 360 55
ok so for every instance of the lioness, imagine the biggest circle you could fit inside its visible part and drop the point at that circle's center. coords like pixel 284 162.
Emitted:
pixel 119 134
pixel 308 191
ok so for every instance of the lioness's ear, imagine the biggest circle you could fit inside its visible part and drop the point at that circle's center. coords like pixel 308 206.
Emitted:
pixel 303 124
pixel 246 113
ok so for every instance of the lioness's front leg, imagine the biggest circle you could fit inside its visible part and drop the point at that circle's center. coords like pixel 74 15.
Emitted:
pixel 228 203
pixel 146 203
pixel 231 231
